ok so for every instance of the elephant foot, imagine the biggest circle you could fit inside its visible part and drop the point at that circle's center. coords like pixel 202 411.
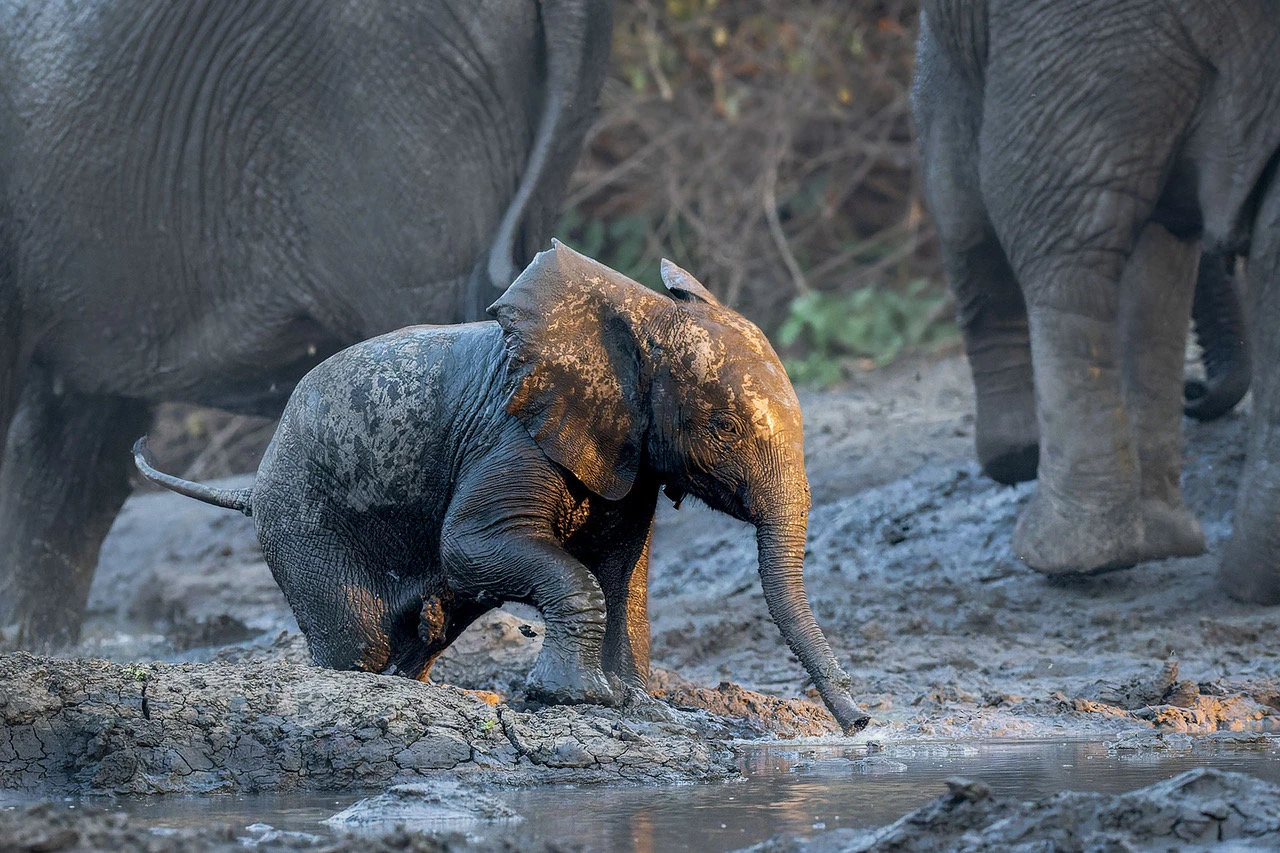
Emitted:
pixel 556 681
pixel 1008 439
pixel 1170 531
pixel 1011 465
pixel 1057 540
pixel 1085 542
pixel 1248 574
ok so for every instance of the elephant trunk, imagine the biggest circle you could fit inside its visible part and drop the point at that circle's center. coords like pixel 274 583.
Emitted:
pixel 1221 331
pixel 781 547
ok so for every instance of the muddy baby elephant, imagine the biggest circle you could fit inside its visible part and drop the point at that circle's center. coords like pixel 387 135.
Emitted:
pixel 421 478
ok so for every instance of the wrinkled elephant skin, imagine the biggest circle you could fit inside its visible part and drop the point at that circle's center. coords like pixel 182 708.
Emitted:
pixel 1076 158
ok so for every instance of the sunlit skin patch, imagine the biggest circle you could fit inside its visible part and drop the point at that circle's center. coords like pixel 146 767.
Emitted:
pixel 366 611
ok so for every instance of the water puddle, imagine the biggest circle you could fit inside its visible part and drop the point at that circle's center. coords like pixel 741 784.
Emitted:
pixel 788 790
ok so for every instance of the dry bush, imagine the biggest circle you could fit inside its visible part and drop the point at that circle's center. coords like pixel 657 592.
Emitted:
pixel 764 144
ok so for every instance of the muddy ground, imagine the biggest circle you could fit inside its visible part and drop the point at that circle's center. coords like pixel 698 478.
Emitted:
pixel 1193 811
pixel 909 569
pixel 910 572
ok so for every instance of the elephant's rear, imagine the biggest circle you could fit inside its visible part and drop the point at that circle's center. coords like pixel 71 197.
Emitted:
pixel 241 188
pixel 377 433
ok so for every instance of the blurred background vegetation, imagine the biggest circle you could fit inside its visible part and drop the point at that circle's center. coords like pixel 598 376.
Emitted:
pixel 764 145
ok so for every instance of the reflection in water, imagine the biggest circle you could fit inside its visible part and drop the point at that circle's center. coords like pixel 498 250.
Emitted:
pixel 788 790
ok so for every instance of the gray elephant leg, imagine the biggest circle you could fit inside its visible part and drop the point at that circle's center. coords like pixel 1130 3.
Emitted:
pixel 990 308
pixel 624 579
pixel 65 476
pixel 513 566
pixel 1069 189
pixel 323 575
pixel 997 342
pixel 1155 306
pixel 1250 568
pixel 1085 513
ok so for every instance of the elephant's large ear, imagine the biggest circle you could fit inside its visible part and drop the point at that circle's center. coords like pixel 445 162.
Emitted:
pixel 574 365
pixel 684 286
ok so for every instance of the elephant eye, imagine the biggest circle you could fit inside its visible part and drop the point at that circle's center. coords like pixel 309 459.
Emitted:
pixel 726 424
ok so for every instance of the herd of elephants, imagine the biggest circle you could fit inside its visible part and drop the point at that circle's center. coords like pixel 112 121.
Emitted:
pixel 238 203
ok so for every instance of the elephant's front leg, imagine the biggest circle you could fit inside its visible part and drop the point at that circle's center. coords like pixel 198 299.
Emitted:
pixel 989 305
pixel 515 563
pixel 65 476
pixel 1155 306
pixel 624 577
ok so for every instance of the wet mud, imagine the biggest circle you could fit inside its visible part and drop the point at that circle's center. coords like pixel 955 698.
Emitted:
pixel 53 828
pixel 1193 810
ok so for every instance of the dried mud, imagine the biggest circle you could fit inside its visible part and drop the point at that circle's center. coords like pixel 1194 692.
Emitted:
pixel 197 728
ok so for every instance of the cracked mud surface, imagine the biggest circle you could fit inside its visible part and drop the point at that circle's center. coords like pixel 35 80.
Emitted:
pixel 197 728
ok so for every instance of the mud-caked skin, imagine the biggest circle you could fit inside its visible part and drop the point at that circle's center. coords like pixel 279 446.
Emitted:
pixel 1076 157
pixel 423 477
pixel 201 200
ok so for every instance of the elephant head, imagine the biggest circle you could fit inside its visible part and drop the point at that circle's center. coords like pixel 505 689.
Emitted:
pixel 610 378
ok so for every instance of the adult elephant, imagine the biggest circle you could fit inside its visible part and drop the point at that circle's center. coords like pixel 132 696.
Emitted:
pixel 1077 154
pixel 202 200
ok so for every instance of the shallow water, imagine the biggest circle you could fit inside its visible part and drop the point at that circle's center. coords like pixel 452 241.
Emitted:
pixel 788 790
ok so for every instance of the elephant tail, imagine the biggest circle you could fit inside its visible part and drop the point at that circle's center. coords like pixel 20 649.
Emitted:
pixel 237 499
pixel 960 28
pixel 576 37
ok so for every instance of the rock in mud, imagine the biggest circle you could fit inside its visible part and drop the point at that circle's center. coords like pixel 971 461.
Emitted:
pixel 1199 807
pixel 435 806
pixel 50 828
pixel 89 725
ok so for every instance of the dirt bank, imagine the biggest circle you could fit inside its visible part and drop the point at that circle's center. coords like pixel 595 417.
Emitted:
pixel 80 725
pixel 1194 809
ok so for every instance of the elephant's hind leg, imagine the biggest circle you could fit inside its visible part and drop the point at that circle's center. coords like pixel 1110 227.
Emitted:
pixel 1069 188
pixel 349 623
pixel 1155 307
pixel 1250 568
pixel 65 476
pixel 990 309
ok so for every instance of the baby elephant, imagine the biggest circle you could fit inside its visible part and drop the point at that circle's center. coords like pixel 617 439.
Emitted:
pixel 422 478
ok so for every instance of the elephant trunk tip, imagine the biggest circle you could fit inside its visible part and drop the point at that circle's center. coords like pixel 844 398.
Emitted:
pixel 857 724
pixel 849 716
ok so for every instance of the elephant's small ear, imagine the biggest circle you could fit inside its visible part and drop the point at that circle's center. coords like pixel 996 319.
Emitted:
pixel 684 286
pixel 574 367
